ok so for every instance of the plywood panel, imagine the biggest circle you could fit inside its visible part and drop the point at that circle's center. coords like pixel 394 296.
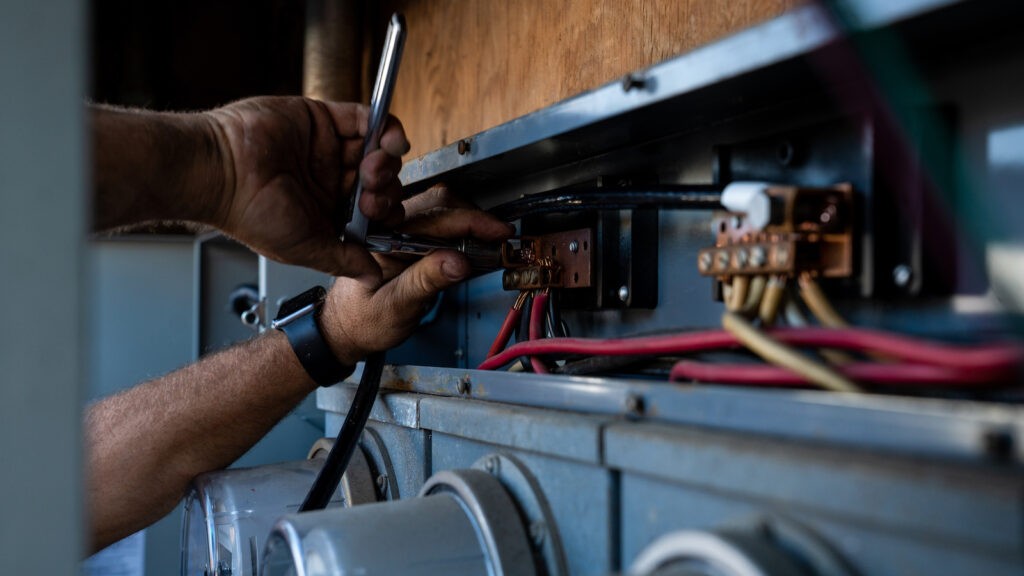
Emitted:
pixel 473 64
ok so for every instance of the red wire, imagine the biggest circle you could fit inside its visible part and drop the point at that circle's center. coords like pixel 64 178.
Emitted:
pixel 540 304
pixel 986 360
pixel 505 334
pixel 885 374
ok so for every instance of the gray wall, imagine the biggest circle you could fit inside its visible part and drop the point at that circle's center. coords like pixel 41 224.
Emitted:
pixel 42 192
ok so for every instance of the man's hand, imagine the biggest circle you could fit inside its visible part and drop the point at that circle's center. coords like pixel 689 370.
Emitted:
pixel 375 313
pixel 290 166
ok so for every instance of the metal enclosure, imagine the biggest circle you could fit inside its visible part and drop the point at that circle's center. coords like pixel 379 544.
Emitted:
pixel 802 481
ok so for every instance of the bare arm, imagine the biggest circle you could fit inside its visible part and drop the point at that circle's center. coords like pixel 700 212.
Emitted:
pixel 145 445
pixel 272 172
pixel 151 166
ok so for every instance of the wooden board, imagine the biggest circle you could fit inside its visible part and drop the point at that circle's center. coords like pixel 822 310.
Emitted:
pixel 473 64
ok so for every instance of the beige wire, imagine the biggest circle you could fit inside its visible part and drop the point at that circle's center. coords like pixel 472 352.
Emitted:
pixel 774 292
pixel 740 287
pixel 754 295
pixel 818 303
pixel 780 354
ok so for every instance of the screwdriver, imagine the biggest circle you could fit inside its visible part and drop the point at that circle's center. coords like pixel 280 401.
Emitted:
pixel 483 256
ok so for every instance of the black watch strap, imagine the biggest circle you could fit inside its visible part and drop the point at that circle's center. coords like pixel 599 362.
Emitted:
pixel 302 327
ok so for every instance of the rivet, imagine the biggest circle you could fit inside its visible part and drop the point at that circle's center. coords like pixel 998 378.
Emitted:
pixel 574 246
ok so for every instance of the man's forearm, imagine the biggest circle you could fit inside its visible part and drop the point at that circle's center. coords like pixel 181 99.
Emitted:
pixel 154 166
pixel 145 445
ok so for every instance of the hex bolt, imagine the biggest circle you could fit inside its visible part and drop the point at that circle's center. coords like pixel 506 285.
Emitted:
pixel 464 385
pixel 624 293
pixel 902 275
pixel 758 257
pixel 538 532
pixel 465 146
pixel 705 261
pixel 574 246
pixel 742 257
pixel 723 259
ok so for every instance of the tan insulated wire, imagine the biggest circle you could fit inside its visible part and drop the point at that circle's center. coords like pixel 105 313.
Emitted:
pixel 818 303
pixel 780 354
pixel 774 292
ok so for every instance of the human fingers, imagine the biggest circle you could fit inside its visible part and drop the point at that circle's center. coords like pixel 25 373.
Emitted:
pixel 442 222
pixel 436 196
pixel 393 139
pixel 338 258
pixel 406 298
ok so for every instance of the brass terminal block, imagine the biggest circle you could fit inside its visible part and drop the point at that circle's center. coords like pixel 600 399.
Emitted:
pixel 811 230
pixel 558 260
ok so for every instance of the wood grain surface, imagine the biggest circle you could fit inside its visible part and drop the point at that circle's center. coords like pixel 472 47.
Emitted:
pixel 470 65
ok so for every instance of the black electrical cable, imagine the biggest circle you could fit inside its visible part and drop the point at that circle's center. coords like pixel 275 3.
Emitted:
pixel 667 197
pixel 348 437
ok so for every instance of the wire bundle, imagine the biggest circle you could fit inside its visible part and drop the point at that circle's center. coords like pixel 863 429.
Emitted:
pixel 855 356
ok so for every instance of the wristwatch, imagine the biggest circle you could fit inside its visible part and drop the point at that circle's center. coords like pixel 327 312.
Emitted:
pixel 299 319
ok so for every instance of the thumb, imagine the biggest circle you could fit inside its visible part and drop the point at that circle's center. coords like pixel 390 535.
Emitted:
pixel 414 291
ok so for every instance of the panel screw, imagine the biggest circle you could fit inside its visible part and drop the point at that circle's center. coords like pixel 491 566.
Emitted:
pixel 757 256
pixel 902 274
pixel 632 81
pixel 634 405
pixel 574 246
pixel 464 146
pixel 464 385
pixel 742 257
pixel 705 261
pixel 492 465
pixel 382 483
pixel 624 293
pixel 538 532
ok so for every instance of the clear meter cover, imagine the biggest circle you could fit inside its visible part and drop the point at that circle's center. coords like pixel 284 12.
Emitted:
pixel 229 513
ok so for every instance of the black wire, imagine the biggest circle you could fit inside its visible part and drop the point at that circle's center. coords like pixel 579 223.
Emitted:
pixel 329 477
pixel 675 197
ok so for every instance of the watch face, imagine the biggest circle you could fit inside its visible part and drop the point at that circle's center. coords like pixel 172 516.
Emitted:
pixel 314 295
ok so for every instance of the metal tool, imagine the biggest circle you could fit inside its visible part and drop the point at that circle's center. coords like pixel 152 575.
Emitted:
pixel 380 102
pixel 355 231
pixel 483 256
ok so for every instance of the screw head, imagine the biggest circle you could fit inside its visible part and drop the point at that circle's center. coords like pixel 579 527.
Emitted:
pixel 465 146
pixel 705 261
pixel 902 275
pixel 782 256
pixel 722 258
pixel 382 483
pixel 624 293
pixel 742 258
pixel 574 246
pixel 634 404
pixel 464 385
pixel 632 81
pixel 492 465
pixel 758 256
